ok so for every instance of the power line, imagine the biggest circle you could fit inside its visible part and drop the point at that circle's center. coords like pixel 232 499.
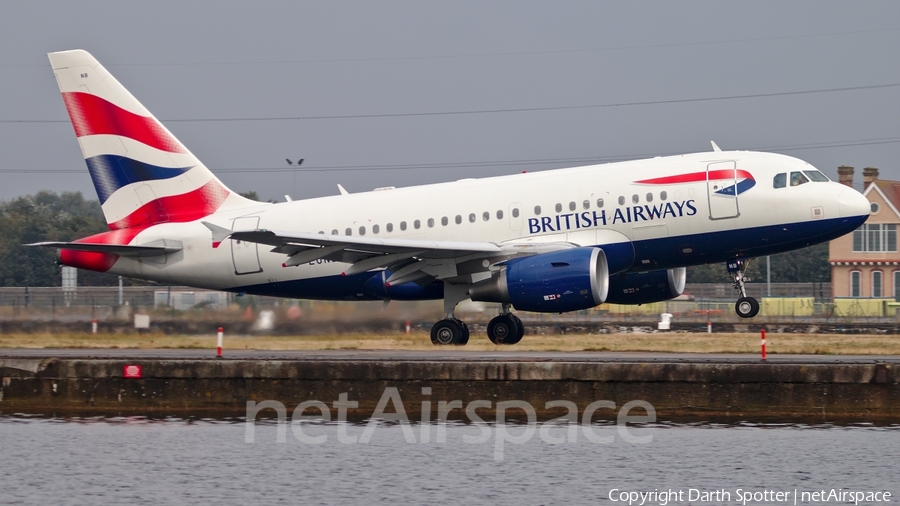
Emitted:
pixel 509 110
pixel 490 163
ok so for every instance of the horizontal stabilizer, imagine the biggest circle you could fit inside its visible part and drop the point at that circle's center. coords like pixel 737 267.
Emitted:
pixel 155 248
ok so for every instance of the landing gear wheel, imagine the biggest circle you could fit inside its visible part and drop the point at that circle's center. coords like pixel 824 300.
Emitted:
pixel 746 307
pixel 449 331
pixel 520 326
pixel 503 330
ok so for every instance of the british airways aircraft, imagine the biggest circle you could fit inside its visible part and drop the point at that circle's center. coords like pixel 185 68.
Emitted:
pixel 553 241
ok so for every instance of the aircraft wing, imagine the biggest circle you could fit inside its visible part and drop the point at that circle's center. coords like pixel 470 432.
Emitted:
pixel 407 259
pixel 154 248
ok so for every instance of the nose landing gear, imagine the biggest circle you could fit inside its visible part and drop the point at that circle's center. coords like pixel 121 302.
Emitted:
pixel 745 307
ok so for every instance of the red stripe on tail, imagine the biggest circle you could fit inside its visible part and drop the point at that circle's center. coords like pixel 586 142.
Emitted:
pixel 92 115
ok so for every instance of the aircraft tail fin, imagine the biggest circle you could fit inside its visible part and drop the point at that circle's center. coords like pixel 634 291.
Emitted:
pixel 143 175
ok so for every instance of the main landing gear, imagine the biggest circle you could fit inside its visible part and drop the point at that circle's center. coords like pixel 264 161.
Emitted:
pixel 745 307
pixel 506 328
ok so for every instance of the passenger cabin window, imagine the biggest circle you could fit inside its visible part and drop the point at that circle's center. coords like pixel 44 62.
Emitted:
pixel 471 217
pixel 537 210
pixel 649 197
pixel 375 229
pixel 515 212
pixel 444 221
pixel 348 231
pixel 334 232
pixel 485 216
pixel 430 222
pixel 600 203
pixel 458 219
pixel 663 195
pixel 390 227
pixel 797 178
pixel 586 204
pixel 635 199
pixel 572 206
pixel 621 201
pixel 816 176
pixel 402 225
pixel 499 214
pixel 362 230
pixel 417 224
pixel 559 208
pixel 780 180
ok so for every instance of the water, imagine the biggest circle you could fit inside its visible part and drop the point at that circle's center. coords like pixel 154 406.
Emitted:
pixel 176 461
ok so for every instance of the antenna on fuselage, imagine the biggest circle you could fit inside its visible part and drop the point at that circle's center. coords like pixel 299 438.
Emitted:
pixel 715 146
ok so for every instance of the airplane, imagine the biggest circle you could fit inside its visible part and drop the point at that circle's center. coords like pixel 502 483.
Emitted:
pixel 550 241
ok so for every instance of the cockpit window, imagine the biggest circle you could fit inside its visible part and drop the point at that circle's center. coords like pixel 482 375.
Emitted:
pixel 816 176
pixel 780 180
pixel 797 178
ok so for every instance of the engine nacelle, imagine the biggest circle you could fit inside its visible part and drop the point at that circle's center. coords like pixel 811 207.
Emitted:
pixel 646 287
pixel 556 282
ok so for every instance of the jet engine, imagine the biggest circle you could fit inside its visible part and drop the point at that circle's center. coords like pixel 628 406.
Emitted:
pixel 646 287
pixel 555 282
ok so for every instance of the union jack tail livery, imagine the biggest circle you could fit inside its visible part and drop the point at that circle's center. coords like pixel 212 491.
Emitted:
pixel 143 175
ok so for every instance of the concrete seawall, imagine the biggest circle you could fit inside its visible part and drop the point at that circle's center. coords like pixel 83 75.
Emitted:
pixel 701 388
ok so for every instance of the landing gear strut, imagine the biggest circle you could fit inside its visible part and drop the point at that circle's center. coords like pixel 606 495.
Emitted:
pixel 745 307
pixel 506 328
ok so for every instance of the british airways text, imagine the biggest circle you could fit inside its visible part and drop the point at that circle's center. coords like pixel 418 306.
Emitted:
pixel 589 219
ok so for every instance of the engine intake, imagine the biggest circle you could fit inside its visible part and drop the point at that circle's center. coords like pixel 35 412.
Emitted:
pixel 556 282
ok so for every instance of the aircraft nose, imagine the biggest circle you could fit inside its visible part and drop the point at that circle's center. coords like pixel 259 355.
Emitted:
pixel 852 203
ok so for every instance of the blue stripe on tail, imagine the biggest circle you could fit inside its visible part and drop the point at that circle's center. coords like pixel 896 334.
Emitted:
pixel 111 172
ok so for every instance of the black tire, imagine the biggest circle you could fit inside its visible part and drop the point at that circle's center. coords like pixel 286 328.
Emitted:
pixel 520 326
pixel 503 330
pixel 465 333
pixel 447 332
pixel 746 307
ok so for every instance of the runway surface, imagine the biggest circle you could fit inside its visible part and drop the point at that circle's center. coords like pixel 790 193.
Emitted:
pixel 442 355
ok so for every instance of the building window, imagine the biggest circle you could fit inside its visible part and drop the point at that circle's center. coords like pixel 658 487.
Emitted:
pixel 896 285
pixel 875 237
pixel 855 282
pixel 876 284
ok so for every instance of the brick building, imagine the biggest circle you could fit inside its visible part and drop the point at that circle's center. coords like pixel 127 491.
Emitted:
pixel 866 263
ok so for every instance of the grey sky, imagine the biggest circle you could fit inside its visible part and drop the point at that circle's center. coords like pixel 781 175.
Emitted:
pixel 190 60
